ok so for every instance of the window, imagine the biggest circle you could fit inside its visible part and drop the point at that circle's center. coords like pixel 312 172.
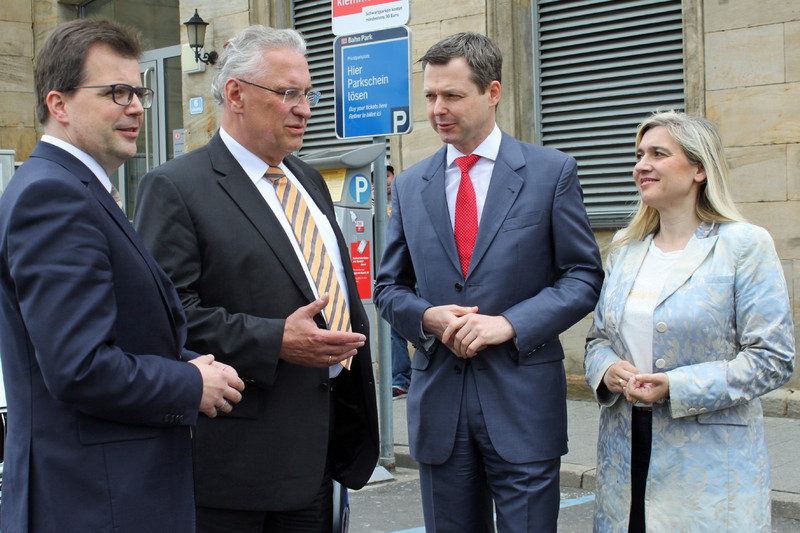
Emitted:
pixel 602 66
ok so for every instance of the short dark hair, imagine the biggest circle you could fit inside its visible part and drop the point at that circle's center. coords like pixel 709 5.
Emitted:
pixel 61 61
pixel 481 54
pixel 390 168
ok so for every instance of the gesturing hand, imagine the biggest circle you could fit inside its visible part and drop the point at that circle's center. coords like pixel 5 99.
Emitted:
pixel 304 343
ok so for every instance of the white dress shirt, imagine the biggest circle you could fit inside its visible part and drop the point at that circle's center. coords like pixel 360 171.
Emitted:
pixel 480 173
pixel 255 168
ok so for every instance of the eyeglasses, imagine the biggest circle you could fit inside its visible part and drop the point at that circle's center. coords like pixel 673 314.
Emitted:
pixel 292 96
pixel 122 93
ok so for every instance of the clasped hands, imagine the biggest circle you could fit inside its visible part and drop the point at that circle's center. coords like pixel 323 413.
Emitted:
pixel 624 378
pixel 464 331
pixel 221 386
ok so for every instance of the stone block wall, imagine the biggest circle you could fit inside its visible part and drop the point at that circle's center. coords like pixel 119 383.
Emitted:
pixel 752 89
pixel 17 117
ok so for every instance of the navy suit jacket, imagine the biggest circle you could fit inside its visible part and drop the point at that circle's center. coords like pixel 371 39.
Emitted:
pixel 535 261
pixel 239 278
pixel 91 336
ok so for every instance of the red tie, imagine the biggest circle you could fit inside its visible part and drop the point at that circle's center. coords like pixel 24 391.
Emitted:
pixel 466 225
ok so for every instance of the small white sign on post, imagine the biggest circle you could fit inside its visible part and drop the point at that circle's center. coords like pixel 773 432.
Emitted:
pixel 358 16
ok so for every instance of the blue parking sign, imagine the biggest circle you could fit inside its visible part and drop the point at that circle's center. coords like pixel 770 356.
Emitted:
pixel 372 77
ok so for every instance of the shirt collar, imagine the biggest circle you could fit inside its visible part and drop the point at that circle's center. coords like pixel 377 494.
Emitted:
pixel 83 157
pixel 253 166
pixel 488 149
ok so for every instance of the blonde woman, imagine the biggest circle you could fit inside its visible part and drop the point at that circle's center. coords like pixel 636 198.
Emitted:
pixel 692 326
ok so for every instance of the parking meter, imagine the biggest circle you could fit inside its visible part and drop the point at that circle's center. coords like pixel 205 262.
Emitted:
pixel 347 173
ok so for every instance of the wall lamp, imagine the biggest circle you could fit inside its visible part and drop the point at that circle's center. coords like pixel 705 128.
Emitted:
pixel 196 31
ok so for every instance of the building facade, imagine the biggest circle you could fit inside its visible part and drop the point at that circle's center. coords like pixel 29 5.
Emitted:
pixel 579 75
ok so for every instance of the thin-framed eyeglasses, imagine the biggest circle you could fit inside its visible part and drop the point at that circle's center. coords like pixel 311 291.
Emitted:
pixel 122 93
pixel 292 96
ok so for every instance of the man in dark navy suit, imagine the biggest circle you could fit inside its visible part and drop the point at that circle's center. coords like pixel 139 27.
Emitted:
pixel 100 390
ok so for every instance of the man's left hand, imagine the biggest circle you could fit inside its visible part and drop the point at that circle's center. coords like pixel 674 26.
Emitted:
pixel 473 332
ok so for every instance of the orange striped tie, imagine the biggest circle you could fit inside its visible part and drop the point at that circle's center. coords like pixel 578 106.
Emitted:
pixel 317 258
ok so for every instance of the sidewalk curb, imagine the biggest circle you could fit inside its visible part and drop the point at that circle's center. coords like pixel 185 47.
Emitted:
pixel 784 504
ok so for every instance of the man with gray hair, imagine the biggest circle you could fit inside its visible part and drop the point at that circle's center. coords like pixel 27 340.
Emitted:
pixel 489 257
pixel 248 235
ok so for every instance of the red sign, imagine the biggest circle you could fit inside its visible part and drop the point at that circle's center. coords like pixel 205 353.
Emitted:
pixel 360 16
pixel 351 7
pixel 361 267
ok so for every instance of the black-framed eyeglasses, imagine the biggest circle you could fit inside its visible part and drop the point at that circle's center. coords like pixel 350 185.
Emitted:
pixel 292 96
pixel 122 93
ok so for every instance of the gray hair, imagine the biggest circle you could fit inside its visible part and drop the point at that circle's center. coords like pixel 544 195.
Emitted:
pixel 242 55
pixel 481 54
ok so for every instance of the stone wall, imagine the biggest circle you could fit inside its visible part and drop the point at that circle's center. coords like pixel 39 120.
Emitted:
pixel 752 87
pixel 16 77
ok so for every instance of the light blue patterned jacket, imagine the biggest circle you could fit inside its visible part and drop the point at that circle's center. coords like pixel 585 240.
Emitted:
pixel 723 333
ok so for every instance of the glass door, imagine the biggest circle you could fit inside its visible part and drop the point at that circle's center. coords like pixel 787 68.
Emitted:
pixel 161 134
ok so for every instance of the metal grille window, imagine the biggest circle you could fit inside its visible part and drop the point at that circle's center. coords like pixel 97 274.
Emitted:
pixel 602 67
pixel 312 18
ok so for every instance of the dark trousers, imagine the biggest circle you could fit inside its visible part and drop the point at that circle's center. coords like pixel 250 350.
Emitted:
pixel 642 439
pixel 457 495
pixel 317 518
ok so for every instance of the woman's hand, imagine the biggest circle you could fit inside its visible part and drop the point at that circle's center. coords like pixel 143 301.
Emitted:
pixel 617 376
pixel 647 388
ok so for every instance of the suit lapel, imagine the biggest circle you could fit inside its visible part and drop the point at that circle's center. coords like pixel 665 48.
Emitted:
pixel 692 257
pixel 124 224
pixel 247 197
pixel 435 202
pixel 503 190
pixel 76 168
pixel 625 275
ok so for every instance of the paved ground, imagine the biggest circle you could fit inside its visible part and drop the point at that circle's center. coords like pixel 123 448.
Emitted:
pixel 577 471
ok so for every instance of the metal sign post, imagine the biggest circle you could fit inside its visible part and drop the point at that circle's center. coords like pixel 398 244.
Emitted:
pixel 372 92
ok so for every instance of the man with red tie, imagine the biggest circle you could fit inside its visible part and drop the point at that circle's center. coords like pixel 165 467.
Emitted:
pixel 493 233
pixel 248 234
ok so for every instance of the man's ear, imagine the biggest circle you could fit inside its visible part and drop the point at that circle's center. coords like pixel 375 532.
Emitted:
pixel 495 91
pixel 57 106
pixel 234 97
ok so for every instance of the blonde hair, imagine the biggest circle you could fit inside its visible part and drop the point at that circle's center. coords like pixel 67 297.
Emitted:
pixel 700 141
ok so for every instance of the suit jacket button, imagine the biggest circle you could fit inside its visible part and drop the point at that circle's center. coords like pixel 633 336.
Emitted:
pixel 692 411
pixel 323 387
pixel 660 363
pixel 661 327
pixel 459 287
pixel 457 369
